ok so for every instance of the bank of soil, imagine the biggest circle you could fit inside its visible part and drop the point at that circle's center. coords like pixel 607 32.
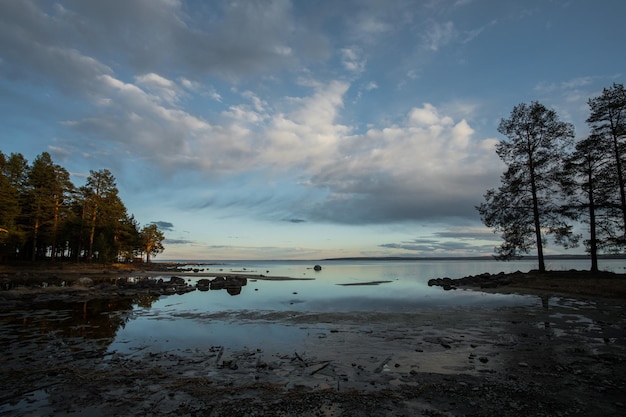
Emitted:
pixel 558 356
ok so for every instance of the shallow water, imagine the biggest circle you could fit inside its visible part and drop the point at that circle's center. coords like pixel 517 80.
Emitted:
pixel 357 327
pixel 269 314
pixel 263 313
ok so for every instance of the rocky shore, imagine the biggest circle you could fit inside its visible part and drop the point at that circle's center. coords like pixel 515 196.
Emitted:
pixel 577 283
pixel 564 355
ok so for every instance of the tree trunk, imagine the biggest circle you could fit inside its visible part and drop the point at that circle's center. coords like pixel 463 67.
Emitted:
pixel 92 232
pixel 55 228
pixel 35 235
pixel 620 180
pixel 593 242
pixel 533 188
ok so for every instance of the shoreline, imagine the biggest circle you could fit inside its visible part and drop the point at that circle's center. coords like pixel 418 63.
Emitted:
pixel 63 278
pixel 573 283
pixel 558 356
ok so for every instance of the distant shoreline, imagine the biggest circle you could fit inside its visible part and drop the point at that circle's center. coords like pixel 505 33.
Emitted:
pixel 391 258
pixel 469 258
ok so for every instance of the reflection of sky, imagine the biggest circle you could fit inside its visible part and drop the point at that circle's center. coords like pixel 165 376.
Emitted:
pixel 201 319
pixel 406 290
pixel 150 334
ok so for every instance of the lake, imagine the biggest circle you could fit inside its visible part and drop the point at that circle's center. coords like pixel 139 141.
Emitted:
pixel 260 311
pixel 357 324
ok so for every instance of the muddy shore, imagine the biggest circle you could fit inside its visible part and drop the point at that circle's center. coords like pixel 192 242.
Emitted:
pixel 564 356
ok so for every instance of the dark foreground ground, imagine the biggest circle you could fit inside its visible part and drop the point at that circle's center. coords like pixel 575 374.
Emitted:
pixel 564 355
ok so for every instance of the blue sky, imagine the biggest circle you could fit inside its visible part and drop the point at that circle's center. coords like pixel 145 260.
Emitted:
pixel 298 129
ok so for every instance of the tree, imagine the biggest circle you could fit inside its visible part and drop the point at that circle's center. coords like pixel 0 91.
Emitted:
pixel 526 206
pixel 152 238
pixel 13 176
pixel 608 123
pixel 587 192
pixel 101 199
pixel 47 188
pixel 42 214
pixel 9 198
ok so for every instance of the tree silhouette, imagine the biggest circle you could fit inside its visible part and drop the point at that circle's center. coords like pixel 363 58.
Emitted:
pixel 526 206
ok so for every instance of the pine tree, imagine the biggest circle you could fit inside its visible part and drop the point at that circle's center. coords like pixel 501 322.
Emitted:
pixel 526 205
pixel 608 123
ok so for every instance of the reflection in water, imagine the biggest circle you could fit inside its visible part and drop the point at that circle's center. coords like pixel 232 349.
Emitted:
pixel 93 319
pixel 545 303
pixel 61 331
pixel 44 343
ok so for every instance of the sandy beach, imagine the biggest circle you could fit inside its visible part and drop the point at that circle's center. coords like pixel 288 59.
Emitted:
pixel 565 356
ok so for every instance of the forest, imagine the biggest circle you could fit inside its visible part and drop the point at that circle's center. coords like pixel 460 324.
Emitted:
pixel 44 216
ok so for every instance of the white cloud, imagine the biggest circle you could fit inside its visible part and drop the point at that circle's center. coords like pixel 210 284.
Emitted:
pixel 371 86
pixel 352 60
pixel 427 116
pixel 163 89
pixel 428 167
pixel 438 35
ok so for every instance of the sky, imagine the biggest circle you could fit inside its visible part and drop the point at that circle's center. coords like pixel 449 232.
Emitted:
pixel 298 129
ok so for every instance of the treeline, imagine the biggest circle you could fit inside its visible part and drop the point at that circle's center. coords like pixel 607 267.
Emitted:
pixel 44 216
pixel 551 182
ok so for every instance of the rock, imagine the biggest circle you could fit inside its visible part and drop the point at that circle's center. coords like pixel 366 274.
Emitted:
pixel 177 280
pixel 203 284
pixel 484 280
pixel 232 284
pixel 6 284
pixel 85 282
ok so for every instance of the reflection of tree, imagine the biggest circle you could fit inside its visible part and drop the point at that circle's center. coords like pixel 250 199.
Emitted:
pixel 41 343
pixel 145 300
pixel 78 323
pixel 545 303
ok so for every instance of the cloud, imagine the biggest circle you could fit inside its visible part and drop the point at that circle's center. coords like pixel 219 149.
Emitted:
pixel 152 35
pixel 435 247
pixel 162 89
pixel 371 86
pixel 178 241
pixel 167 226
pixel 438 35
pixel 352 60
pixel 30 46
pixel 428 165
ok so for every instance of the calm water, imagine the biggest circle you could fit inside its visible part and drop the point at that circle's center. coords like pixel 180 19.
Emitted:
pixel 339 285
pixel 274 316
pixel 267 313
pixel 257 315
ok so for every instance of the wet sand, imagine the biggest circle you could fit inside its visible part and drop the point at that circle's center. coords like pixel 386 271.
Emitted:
pixel 561 355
